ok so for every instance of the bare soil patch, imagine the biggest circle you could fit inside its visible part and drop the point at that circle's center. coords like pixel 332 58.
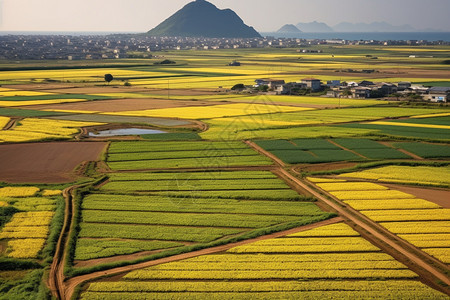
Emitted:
pixel 119 105
pixel 438 196
pixel 45 162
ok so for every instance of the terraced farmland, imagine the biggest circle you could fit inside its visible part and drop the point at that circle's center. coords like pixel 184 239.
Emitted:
pixel 154 155
pixel 161 210
pixel 309 265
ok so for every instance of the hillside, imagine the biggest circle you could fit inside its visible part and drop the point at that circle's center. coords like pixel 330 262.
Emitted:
pixel 203 19
pixel 289 28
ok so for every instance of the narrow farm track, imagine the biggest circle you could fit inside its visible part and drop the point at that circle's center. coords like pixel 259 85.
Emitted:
pixel 56 275
pixel 11 124
pixel 72 283
pixel 260 150
pixel 414 258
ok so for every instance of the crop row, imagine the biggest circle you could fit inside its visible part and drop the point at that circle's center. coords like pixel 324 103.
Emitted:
pixel 418 227
pixel 412 203
pixel 314 156
pixel 94 248
pixel 428 240
pixel 204 175
pixel 184 219
pixel 351 186
pixel 308 245
pixel 369 195
pixel 423 293
pixel 167 204
pixel 141 146
pixel 227 266
pixel 440 253
pixel 179 154
pixel 273 194
pixel 265 286
pixel 406 174
pixel 257 274
pixel 149 232
pixel 195 185
pixel 409 215
pixel 339 229
pixel 198 162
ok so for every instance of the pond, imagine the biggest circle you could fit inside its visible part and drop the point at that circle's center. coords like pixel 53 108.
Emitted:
pixel 124 131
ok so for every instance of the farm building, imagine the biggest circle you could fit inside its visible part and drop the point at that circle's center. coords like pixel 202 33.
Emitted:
pixel 438 94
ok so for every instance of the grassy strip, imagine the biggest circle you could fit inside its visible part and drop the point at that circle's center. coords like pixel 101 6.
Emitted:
pixel 72 272
pixel 55 228
pixel 16 112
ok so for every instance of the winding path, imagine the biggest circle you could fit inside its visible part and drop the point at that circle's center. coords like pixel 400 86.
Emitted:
pixel 72 283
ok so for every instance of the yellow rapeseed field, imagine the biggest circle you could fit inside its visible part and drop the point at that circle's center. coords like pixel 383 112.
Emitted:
pixel 410 125
pixel 37 129
pixel 339 229
pixel 3 121
pixel 26 191
pixel 406 174
pixel 431 116
pixel 37 102
pixel 49 193
pixel 351 186
pixel 321 180
pixel 369 195
pixel 25 248
pixel 12 93
pixel 209 112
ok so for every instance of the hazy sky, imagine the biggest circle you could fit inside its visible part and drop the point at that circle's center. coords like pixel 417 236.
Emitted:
pixel 264 15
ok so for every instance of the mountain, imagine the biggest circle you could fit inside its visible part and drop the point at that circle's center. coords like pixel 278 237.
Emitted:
pixel 289 28
pixel 372 27
pixel 314 27
pixel 203 19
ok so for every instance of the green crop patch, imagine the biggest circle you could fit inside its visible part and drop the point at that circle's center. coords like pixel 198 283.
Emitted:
pixel 426 150
pixel 353 144
pixel 99 248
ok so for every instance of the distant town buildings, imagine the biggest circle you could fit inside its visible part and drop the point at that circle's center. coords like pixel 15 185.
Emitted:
pixel 70 47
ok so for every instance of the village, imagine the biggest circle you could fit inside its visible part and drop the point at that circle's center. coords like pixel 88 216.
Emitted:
pixel 356 90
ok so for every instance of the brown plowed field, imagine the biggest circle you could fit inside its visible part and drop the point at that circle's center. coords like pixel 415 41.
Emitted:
pixel 440 197
pixel 45 162
pixel 123 105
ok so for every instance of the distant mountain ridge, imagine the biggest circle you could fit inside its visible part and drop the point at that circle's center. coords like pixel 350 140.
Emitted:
pixel 372 27
pixel 203 19
pixel 320 27
pixel 314 27
pixel 289 28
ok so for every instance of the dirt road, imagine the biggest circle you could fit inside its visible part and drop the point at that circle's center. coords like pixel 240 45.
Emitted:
pixel 56 275
pixel 72 283
pixel 381 234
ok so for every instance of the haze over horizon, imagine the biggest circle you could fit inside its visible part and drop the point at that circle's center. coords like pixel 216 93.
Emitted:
pixel 143 15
